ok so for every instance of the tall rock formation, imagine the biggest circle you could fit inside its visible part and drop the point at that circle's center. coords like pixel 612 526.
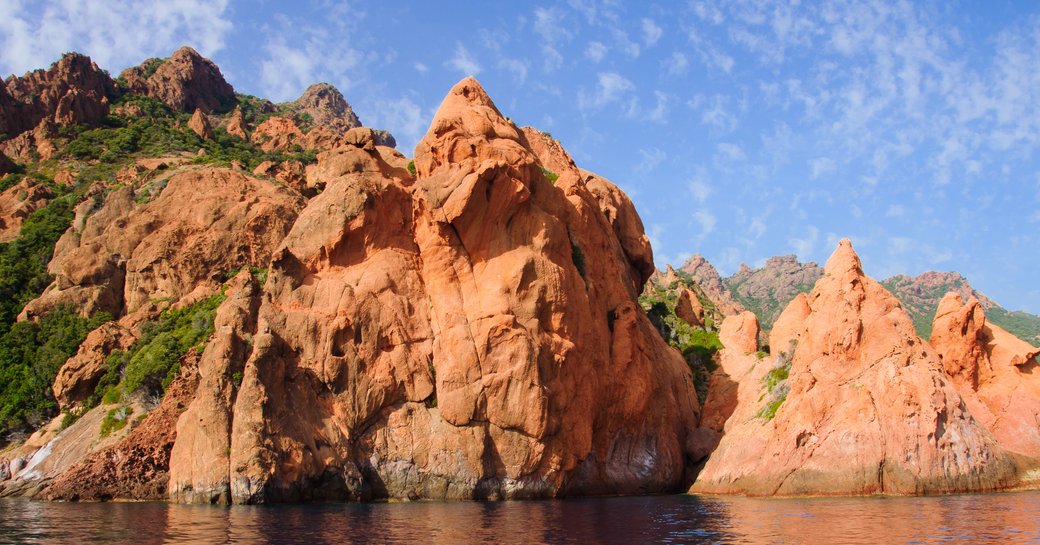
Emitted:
pixel 72 91
pixel 994 371
pixel 707 277
pixel 184 81
pixel 326 107
pixel 471 332
pixel 853 402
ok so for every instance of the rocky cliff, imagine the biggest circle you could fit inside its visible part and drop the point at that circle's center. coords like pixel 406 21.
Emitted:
pixel 464 328
pixel 766 291
pixel 850 402
pixel 993 370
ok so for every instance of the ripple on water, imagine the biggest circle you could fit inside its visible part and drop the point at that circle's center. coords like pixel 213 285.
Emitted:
pixel 993 518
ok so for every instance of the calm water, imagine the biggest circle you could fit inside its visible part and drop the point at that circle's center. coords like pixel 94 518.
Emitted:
pixel 996 518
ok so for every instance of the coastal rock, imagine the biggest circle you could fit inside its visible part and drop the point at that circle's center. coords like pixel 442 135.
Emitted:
pixel 185 81
pixel 199 124
pixel 471 332
pixel 17 203
pixel 135 466
pixel 709 280
pixel 994 371
pixel 201 224
pixel 80 374
pixel 852 402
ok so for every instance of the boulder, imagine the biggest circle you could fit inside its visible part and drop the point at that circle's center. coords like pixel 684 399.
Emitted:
pixel 199 124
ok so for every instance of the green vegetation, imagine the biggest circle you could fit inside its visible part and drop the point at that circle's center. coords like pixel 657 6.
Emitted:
pixel 698 345
pixel 411 168
pixel 151 364
pixel 578 257
pixel 31 353
pixel 115 420
pixel 1021 324
pixel 776 386
pixel 767 308
pixel 550 175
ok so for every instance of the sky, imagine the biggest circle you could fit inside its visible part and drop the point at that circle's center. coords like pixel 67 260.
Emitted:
pixel 741 130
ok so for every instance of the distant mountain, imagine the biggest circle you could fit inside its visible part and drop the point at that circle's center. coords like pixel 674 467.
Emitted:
pixel 920 296
pixel 766 291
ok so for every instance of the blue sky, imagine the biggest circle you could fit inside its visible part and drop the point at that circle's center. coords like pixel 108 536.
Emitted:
pixel 741 129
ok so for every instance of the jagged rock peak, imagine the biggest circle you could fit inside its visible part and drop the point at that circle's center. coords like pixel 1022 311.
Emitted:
pixel 72 91
pixel 844 260
pixel 467 115
pixel 184 81
pixel 327 107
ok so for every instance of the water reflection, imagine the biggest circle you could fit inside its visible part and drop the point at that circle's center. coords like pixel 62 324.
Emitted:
pixel 997 518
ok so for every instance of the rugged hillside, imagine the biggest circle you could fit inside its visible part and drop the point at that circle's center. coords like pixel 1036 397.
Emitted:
pixel 231 300
pixel 921 295
pixel 768 290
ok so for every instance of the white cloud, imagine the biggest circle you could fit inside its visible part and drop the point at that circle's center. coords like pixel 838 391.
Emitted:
pixel 610 87
pixel 421 68
pixel 806 245
pixel 706 220
pixel 464 62
pixel 651 32
pixel 114 33
pixel 650 159
pixel 757 228
pixel 821 166
pixel 700 188
pixel 676 64
pixel 403 117
pixel 548 23
pixel 516 67
pixel 729 152
pixel 595 51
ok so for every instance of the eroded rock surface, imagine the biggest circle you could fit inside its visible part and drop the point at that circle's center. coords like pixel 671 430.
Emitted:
pixel 185 81
pixel 995 371
pixel 17 203
pixel 851 402
pixel 469 332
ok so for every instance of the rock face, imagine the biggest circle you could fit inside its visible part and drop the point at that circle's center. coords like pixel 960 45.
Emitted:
pixel 236 126
pixel 709 280
pixel 17 203
pixel 994 371
pixel 469 333
pixel 204 223
pixel 72 91
pixel 855 403
pixel 326 107
pixel 689 308
pixel 185 81
pixel 199 124
pixel 768 290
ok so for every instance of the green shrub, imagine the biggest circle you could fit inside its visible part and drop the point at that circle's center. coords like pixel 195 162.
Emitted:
pixel 31 353
pixel 411 168
pixel 151 363
pixel 550 175
pixel 115 420
pixel 578 257
pixel 776 386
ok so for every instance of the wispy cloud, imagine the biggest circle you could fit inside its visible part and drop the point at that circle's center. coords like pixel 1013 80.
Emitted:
pixel 595 51
pixel 610 87
pixel 463 61
pixel 651 32
pixel 115 33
